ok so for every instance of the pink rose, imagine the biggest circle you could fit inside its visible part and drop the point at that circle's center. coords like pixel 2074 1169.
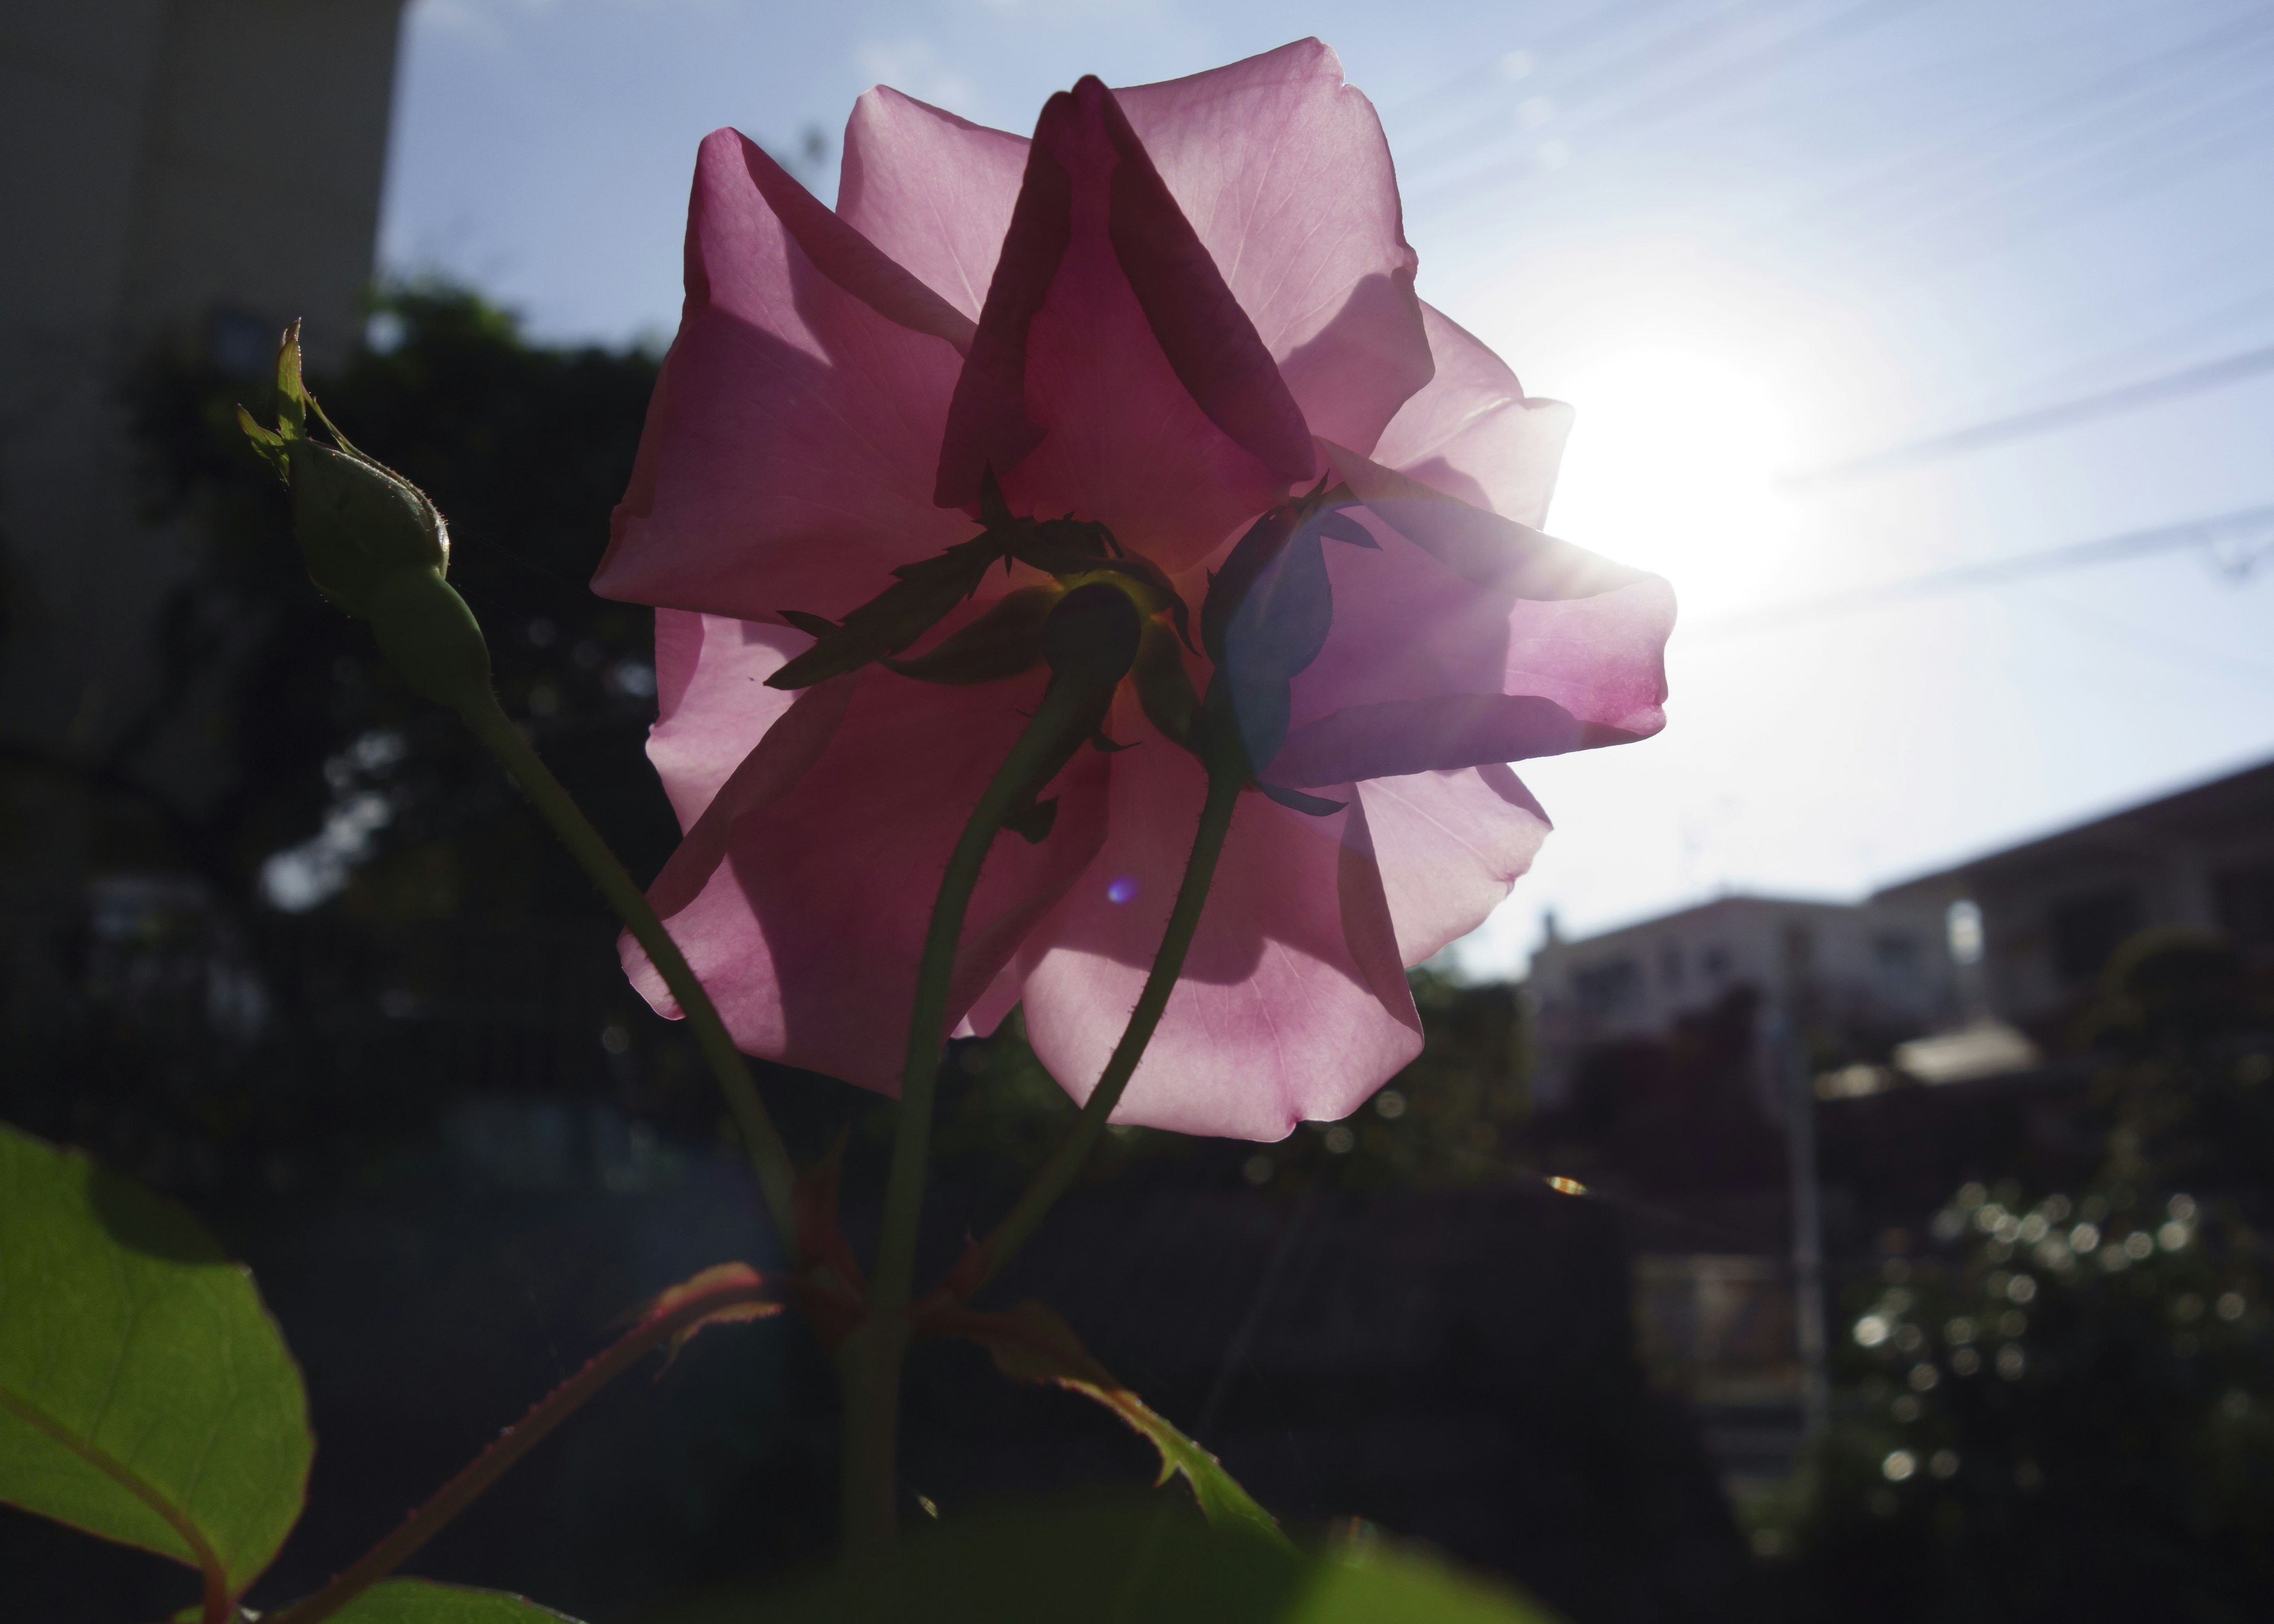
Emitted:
pixel 1178 305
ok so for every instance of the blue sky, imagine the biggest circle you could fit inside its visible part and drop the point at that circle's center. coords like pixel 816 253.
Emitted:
pixel 1746 238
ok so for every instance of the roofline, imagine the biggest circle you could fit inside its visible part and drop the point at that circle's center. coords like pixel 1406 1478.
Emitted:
pixel 2045 844
pixel 1708 905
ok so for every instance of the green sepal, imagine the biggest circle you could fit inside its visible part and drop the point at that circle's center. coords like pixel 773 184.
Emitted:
pixel 1030 1343
pixel 268 445
pixel 359 523
pixel 1253 552
pixel 1296 800
pixel 922 595
pixel 1164 688
pixel 430 636
pixel 1074 552
pixel 1033 823
pixel 292 391
pixel 1003 642
pixel 373 543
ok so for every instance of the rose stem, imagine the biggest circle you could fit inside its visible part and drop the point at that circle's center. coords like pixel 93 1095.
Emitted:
pixel 515 1441
pixel 769 1156
pixel 1057 1174
pixel 870 1359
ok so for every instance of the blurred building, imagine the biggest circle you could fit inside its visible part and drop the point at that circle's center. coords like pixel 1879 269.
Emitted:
pixel 182 173
pixel 1872 973
pixel 2054 909
pixel 183 177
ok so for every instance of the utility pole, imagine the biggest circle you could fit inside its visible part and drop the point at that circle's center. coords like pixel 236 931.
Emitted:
pixel 1807 1221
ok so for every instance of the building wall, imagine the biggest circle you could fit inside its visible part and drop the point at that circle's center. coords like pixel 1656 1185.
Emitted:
pixel 2054 909
pixel 182 172
pixel 1874 966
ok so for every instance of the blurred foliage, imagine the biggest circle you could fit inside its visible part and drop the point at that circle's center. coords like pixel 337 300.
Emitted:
pixel 1671 1115
pixel 2066 1408
pixel 320 911
pixel 525 450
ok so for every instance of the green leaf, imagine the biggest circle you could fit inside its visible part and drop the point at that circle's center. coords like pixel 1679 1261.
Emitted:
pixel 1116 1560
pixel 145 1395
pixel 416 1601
pixel 1031 1343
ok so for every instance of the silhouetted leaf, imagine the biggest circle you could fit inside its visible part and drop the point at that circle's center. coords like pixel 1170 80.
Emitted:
pixel 1339 525
pixel 416 1601
pixel 1033 1344
pixel 1003 642
pixel 920 597
pixel 1296 800
pixel 1117 1561
pixel 145 1395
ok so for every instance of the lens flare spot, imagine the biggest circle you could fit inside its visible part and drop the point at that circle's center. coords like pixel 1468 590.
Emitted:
pixel 1122 890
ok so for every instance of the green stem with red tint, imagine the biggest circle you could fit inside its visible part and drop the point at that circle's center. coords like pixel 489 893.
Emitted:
pixel 518 1440
pixel 769 1156
pixel 870 1358
pixel 986 1257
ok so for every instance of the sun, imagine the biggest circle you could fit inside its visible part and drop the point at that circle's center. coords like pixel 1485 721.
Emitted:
pixel 1673 467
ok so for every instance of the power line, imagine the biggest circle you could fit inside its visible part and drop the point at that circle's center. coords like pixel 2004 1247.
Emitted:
pixel 2152 145
pixel 1928 171
pixel 2246 314
pixel 1465 191
pixel 1580 32
pixel 2041 420
pixel 2249 522
pixel 1565 87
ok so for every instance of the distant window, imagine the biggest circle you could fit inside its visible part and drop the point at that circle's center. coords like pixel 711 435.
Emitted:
pixel 1799 949
pixel 1670 965
pixel 2246 903
pixel 2086 927
pixel 1963 926
pixel 1608 990
pixel 1717 963
pixel 1897 953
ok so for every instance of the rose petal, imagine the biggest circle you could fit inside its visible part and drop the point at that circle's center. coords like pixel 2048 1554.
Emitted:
pixel 713 703
pixel 1292 1004
pixel 1474 542
pixel 1471 433
pixel 840 253
pixel 1395 737
pixel 1283 172
pixel 1426 669
pixel 808 930
pixel 1450 846
pixel 932 191
pixel 786 458
pixel 1114 376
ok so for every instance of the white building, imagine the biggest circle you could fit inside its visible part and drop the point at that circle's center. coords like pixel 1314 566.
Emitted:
pixel 2054 909
pixel 1881 967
